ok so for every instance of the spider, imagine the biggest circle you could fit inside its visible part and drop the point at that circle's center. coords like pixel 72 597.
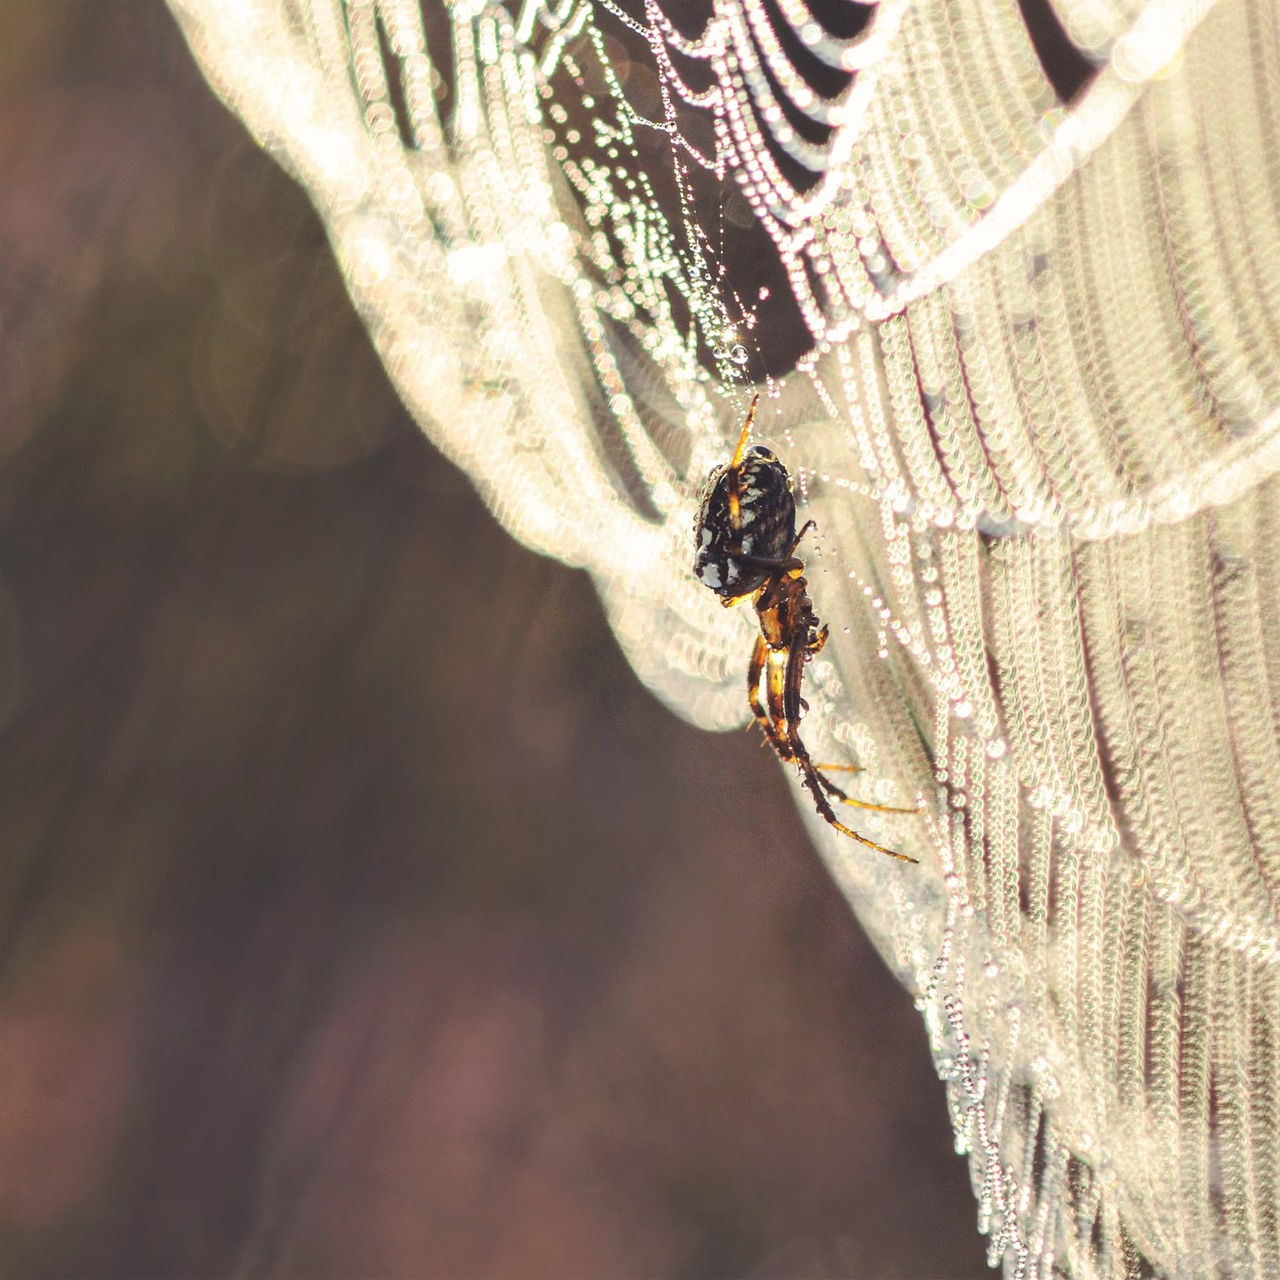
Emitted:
pixel 746 548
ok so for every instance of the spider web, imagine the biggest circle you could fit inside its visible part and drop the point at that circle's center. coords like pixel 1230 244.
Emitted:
pixel 1010 277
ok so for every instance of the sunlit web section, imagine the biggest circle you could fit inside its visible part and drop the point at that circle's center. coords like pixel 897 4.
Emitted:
pixel 1009 274
pixel 771 114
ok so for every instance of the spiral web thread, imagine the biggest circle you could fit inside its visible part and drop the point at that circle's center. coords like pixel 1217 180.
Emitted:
pixel 1037 421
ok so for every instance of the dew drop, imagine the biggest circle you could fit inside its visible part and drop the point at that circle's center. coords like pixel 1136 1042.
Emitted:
pixel 738 354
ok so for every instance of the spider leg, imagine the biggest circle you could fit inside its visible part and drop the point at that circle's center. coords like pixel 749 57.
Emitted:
pixel 736 461
pixel 800 654
pixel 804 528
pixel 790 563
pixel 775 721
pixel 832 790
pixel 755 673
pixel 815 782
pixel 784 688
pixel 735 467
pixel 793 674
pixel 774 564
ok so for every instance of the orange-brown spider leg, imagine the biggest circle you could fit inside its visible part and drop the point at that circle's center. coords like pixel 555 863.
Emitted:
pixel 736 461
pixel 755 673
pixel 735 466
pixel 774 723
pixel 832 790
pixel 784 693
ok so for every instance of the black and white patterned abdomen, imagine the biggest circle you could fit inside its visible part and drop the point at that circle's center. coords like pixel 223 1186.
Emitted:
pixel 766 524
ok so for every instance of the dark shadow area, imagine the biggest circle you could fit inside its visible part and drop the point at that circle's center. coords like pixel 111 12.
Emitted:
pixel 1064 65
pixel 360 913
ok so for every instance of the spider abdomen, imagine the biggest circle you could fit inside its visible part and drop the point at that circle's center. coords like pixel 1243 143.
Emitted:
pixel 765 527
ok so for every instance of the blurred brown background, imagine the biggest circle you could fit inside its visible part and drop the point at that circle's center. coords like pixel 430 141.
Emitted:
pixel 360 914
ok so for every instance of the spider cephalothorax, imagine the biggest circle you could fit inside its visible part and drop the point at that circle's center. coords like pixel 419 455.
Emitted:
pixel 746 548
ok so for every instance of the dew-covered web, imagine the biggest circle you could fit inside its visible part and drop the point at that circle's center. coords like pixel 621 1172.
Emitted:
pixel 1009 277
